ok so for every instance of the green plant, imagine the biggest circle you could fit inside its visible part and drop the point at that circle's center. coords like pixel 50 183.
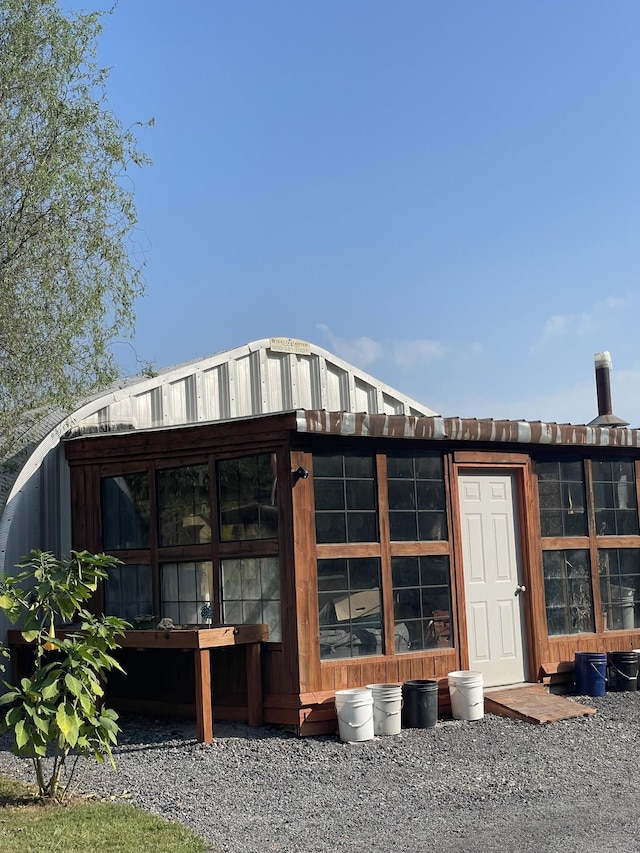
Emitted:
pixel 59 709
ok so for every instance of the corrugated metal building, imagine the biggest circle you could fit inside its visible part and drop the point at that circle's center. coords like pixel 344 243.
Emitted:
pixel 378 541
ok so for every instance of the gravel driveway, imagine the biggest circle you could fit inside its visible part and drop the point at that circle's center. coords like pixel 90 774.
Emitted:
pixel 493 784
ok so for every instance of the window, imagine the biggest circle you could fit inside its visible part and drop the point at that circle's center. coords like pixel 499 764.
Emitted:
pixel 614 497
pixel 251 593
pixel 568 595
pixel 412 564
pixel 125 511
pixel 416 497
pixel 350 607
pixel 187 591
pixel 184 512
pixel 345 498
pixel 619 570
pixel 593 500
pixel 127 593
pixel 194 551
pixel 561 487
pixel 421 602
pixel 247 494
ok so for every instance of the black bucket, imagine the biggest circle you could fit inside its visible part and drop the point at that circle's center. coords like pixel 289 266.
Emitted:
pixel 623 671
pixel 420 704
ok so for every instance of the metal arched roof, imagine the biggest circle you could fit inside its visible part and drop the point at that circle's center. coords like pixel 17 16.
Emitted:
pixel 263 377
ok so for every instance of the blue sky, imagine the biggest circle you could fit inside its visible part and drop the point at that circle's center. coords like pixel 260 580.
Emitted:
pixel 445 193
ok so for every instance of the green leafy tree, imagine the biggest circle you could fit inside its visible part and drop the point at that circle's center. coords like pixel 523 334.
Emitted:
pixel 58 710
pixel 69 268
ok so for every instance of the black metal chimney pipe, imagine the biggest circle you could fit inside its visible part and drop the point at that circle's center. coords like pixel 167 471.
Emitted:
pixel 602 362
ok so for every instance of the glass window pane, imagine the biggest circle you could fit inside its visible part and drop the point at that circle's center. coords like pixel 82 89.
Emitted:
pixel 561 496
pixel 603 495
pixel 619 571
pixel 331 527
pixel 247 494
pixel 422 495
pixel 127 592
pixel 406 604
pixel 361 494
pixel 605 523
pixel 434 571
pixel 568 594
pixel 432 526
pixel 232 578
pixel 615 498
pixel 405 571
pixel 332 574
pixel 549 495
pixel 183 505
pixel 430 495
pixel 329 494
pixel 422 602
pixel 402 494
pixel 551 523
pixel 575 524
pixel 170 583
pixel 403 526
pixel 364 573
pixel 429 466
pixel 362 527
pixel 186 592
pixel 627 522
pixel 357 465
pixel 251 593
pixel 350 617
pixel 547 469
pixel 328 465
pixel 125 509
pixel 571 469
pixel 400 467
pixel 345 498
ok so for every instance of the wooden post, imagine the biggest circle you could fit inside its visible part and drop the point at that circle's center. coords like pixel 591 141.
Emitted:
pixel 204 715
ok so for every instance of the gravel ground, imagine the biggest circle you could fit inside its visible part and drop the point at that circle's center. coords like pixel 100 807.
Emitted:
pixel 491 784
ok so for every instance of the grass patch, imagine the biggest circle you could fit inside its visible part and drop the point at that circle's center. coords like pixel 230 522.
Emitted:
pixel 29 825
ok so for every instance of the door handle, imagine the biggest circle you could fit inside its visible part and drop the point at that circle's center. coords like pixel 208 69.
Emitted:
pixel 520 589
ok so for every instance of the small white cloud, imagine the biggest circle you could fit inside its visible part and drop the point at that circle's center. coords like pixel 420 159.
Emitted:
pixel 360 351
pixel 580 324
pixel 417 353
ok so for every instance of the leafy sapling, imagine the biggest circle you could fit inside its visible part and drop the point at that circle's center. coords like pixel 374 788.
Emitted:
pixel 58 710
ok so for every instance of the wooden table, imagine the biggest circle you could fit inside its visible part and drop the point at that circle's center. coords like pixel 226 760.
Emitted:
pixel 201 640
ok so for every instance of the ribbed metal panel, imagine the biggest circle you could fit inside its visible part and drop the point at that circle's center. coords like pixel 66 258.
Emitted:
pixel 248 380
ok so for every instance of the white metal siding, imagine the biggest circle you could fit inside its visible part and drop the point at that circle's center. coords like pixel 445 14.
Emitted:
pixel 245 381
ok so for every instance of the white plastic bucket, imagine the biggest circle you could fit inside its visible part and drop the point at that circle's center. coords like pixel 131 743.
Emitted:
pixel 355 714
pixel 387 708
pixel 466 689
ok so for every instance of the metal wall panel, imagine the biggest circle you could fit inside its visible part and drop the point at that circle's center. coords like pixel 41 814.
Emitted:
pixel 248 380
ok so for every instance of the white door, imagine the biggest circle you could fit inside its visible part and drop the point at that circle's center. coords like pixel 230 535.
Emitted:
pixel 493 579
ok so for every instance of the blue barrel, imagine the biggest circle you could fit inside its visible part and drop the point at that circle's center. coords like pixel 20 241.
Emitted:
pixel 595 674
pixel 579 672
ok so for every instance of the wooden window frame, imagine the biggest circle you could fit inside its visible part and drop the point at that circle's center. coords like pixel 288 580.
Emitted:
pixel 385 549
pixel 216 550
pixel 591 542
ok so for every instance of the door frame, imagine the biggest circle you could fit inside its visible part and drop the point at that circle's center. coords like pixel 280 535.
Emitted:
pixel 518 464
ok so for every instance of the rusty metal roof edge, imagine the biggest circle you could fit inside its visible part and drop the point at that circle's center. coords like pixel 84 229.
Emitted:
pixel 463 429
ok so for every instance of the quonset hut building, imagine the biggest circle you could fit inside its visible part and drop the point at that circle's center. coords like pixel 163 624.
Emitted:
pixel 368 538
